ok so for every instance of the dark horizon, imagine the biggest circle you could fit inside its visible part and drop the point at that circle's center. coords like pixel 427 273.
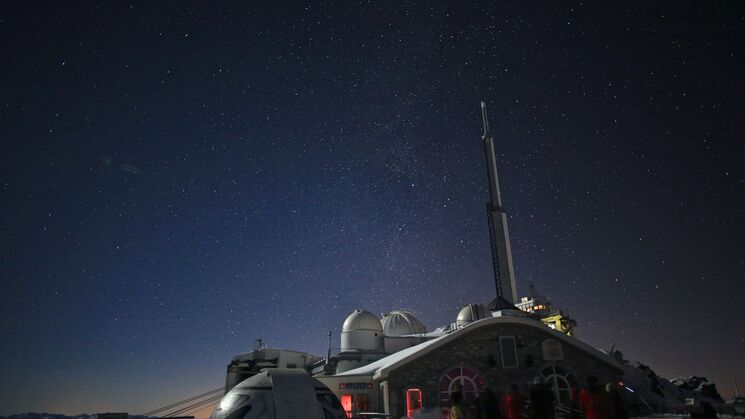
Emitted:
pixel 181 178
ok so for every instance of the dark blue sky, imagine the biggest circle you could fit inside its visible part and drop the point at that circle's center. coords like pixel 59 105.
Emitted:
pixel 179 178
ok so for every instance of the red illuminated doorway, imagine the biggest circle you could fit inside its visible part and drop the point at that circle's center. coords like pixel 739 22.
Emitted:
pixel 355 403
pixel 413 401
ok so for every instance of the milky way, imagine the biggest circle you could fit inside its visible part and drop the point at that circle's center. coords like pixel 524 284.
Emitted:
pixel 178 179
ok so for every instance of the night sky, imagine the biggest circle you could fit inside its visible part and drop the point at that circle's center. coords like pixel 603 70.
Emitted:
pixel 179 179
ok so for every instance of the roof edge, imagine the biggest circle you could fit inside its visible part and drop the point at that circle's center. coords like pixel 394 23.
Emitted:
pixel 383 372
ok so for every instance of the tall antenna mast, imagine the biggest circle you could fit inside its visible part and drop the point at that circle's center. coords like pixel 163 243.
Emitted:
pixel 501 252
pixel 328 355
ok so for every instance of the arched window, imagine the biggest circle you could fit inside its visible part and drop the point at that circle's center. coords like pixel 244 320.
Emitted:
pixel 561 379
pixel 467 379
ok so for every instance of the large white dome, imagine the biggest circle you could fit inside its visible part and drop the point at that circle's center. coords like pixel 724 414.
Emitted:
pixel 361 320
pixel 470 313
pixel 401 323
pixel 363 332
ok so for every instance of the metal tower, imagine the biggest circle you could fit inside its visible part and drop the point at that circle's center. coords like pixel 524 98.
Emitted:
pixel 501 253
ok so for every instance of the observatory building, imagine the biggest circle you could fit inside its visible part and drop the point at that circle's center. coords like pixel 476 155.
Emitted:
pixel 392 365
pixel 480 349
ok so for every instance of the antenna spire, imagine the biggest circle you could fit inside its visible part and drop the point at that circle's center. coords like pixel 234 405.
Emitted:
pixel 504 273
pixel 485 118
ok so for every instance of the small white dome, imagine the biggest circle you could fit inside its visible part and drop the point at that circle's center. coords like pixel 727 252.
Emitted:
pixel 361 320
pixel 401 323
pixel 470 313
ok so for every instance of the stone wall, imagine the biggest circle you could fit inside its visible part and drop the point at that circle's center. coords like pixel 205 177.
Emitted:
pixel 479 349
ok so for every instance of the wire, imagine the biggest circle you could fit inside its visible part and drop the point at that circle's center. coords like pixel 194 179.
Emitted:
pixel 193 406
pixel 200 407
pixel 172 405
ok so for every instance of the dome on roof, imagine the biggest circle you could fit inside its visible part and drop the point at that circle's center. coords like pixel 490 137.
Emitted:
pixel 401 323
pixel 361 331
pixel 470 313
pixel 361 320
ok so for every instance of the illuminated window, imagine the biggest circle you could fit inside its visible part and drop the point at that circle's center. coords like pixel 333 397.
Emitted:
pixel 346 404
pixel 355 403
pixel 509 351
pixel 413 401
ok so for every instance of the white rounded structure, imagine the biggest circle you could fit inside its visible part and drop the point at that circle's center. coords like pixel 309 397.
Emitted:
pixel 279 394
pixel 470 313
pixel 401 323
pixel 361 331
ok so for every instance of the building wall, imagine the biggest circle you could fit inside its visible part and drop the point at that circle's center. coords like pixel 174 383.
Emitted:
pixel 480 350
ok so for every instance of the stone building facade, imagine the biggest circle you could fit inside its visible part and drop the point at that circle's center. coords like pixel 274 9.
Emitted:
pixel 496 353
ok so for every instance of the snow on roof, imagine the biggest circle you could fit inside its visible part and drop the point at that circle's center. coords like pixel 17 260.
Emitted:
pixel 381 367
pixel 373 367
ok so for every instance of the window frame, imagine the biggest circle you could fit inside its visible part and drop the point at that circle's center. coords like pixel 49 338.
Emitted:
pixel 513 349
pixel 559 373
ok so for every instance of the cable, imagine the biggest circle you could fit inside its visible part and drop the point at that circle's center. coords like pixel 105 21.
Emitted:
pixel 192 406
pixel 198 407
pixel 172 405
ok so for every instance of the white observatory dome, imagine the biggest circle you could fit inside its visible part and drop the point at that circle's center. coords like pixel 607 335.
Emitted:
pixel 280 394
pixel 470 313
pixel 401 323
pixel 361 320
pixel 361 331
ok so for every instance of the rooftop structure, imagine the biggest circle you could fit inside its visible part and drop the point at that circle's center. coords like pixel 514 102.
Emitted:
pixel 401 323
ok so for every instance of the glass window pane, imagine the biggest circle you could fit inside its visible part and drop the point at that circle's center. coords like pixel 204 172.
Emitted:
pixel 509 351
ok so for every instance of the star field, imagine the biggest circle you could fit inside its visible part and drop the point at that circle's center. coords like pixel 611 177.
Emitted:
pixel 178 179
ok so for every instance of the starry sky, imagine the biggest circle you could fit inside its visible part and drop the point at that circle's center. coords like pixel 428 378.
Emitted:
pixel 178 179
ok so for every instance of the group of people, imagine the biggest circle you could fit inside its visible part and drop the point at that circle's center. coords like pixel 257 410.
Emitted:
pixel 596 402
pixel 591 402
